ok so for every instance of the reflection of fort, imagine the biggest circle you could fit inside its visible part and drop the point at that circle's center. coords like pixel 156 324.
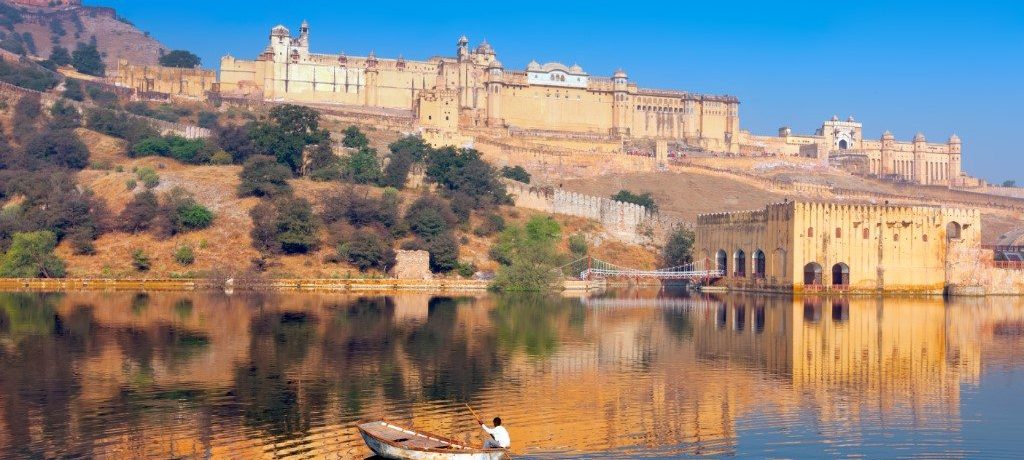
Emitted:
pixel 172 375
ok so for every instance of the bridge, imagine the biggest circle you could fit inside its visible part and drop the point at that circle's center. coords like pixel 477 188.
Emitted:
pixel 592 268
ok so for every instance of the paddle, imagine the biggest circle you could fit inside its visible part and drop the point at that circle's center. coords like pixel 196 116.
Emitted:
pixel 471 411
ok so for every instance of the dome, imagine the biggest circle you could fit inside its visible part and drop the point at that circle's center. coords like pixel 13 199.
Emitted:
pixel 850 119
pixel 533 65
pixel 619 73
pixel 835 117
pixel 463 40
pixel 280 31
pixel 954 139
pixel 887 136
pixel 495 64
pixel 919 137
pixel 575 68
pixel 305 24
pixel 484 48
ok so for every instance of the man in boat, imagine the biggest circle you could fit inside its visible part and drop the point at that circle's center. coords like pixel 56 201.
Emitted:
pixel 499 435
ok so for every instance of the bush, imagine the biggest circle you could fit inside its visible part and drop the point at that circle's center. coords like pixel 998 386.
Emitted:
pixel 429 217
pixel 184 255
pixel 31 256
pixel 360 209
pixel 466 270
pixel 679 248
pixel 82 243
pixel 529 256
pixel 130 184
pixel 26 77
pixel 53 202
pixel 288 131
pixel 578 245
pixel 367 250
pixel 263 176
pixel 444 253
pixel 207 119
pixel 220 157
pixel 150 146
pixel 139 213
pixel 101 96
pixel 645 199
pixel 236 140
pixel 404 152
pixel 73 90
pixel 61 148
pixel 60 56
pixel 286 225
pixel 180 213
pixel 492 224
pixel 64 116
pixel 354 138
pixel 150 179
pixel 86 59
pixel 322 164
pixel 465 172
pixel 362 166
pixel 140 260
pixel 516 173
pixel 26 113
pixel 181 59
pixel 119 125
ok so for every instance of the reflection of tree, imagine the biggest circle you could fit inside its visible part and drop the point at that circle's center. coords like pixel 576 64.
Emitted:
pixel 38 375
pixel 360 337
pixel 528 321
pixel 678 322
pixel 268 396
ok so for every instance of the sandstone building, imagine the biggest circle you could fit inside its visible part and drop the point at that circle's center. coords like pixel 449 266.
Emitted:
pixel 843 144
pixel 803 246
pixel 153 81
pixel 474 89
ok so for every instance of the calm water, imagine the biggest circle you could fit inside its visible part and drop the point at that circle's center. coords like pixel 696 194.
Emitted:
pixel 130 375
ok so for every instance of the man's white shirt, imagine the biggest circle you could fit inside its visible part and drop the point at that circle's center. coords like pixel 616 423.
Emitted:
pixel 500 434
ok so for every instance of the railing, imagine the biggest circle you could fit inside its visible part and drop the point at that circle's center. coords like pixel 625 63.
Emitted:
pixel 656 274
pixel 1009 264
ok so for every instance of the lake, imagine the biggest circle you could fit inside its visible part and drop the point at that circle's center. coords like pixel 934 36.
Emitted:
pixel 637 373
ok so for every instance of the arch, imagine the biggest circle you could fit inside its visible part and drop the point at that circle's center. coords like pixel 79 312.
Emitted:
pixel 840 274
pixel 740 263
pixel 721 261
pixel 759 264
pixel 953 229
pixel 866 232
pixel 812 274
pixel 843 145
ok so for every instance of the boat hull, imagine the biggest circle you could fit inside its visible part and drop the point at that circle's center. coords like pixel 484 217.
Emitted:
pixel 388 450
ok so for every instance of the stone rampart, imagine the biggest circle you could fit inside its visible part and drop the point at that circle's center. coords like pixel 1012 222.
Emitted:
pixel 627 222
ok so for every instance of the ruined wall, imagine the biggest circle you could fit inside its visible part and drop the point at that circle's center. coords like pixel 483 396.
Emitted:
pixel 147 81
pixel 412 265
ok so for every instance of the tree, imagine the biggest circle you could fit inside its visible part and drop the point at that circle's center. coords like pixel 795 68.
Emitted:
pixel 60 148
pixel 360 209
pixel 285 225
pixel 354 138
pixel 322 164
pixel 139 213
pixel 141 261
pixel 429 216
pixel 263 176
pixel 444 253
pixel 26 113
pixel 73 90
pixel 463 170
pixel 181 59
pixel 180 213
pixel 60 56
pixel 119 125
pixel 645 199
pixel 578 245
pixel 31 256
pixel 679 248
pixel 528 256
pixel 87 59
pixel 1009 183
pixel 367 249
pixel 517 173
pixel 236 140
pixel 363 166
pixel 64 116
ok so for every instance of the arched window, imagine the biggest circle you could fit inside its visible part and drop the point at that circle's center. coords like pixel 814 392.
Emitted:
pixel 721 259
pixel 812 274
pixel 740 264
pixel 866 232
pixel 810 232
pixel 953 231
pixel 924 237
pixel 759 264
pixel 895 236
pixel 839 233
pixel 840 274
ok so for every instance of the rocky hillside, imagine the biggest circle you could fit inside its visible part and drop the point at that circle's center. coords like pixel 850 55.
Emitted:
pixel 68 24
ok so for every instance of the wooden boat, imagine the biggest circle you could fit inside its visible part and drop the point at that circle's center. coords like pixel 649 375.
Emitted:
pixel 392 441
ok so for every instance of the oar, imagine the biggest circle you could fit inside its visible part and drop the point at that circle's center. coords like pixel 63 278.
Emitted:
pixel 471 411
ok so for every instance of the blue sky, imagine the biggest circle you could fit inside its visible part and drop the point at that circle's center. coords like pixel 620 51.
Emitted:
pixel 933 67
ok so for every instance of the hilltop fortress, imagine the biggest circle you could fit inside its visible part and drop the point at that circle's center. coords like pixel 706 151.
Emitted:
pixel 474 89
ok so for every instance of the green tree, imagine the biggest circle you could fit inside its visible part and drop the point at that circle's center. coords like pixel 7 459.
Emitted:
pixel 354 138
pixel 263 176
pixel 64 116
pixel 60 56
pixel 1009 183
pixel 444 253
pixel 141 260
pixel 60 148
pixel 285 225
pixel 367 249
pixel 578 245
pixel 517 173
pixel 73 90
pixel 180 58
pixel 529 256
pixel 31 256
pixel 139 213
pixel 464 171
pixel 679 248
pixel 644 199
pixel 429 216
pixel 363 166
pixel 184 255
pixel 87 59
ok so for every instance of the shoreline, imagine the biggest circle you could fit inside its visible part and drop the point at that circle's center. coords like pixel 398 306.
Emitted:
pixel 289 284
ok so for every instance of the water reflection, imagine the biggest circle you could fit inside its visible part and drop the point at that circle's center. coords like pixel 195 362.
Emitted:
pixel 630 374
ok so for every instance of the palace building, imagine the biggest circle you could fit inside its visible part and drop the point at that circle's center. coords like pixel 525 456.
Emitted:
pixel 474 89
pixel 804 246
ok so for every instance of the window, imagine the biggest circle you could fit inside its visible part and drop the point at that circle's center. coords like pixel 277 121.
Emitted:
pixel 839 233
pixel 866 232
pixel 924 238
pixel 810 232
pixel 895 236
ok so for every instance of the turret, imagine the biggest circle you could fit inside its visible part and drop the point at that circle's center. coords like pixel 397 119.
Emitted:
pixel 304 35
pixel 888 142
pixel 620 103
pixel 495 85
pixel 954 144
pixel 462 48
pixel 920 149
pixel 280 42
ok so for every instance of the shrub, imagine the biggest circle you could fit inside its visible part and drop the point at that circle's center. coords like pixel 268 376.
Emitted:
pixel 220 158
pixel 236 140
pixel 531 256
pixel 181 59
pixel 354 138
pixel 180 213
pixel 466 270
pixel 286 225
pixel 26 113
pixel 464 171
pixel 367 250
pixel 119 125
pixel 64 116
pixel 60 148
pixel 644 199
pixel 82 243
pixel 73 90
pixel 322 164
pixel 31 256
pixel 263 176
pixel 101 96
pixel 207 119
pixel 184 255
pixel 363 166
pixel 444 253
pixel 150 179
pixel 516 173
pixel 130 184
pixel 139 213
pixel 86 59
pixel 429 217
pixel 492 224
pixel 26 77
pixel 679 248
pixel 157 146
pixel 360 209
pixel 140 260
pixel 578 245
